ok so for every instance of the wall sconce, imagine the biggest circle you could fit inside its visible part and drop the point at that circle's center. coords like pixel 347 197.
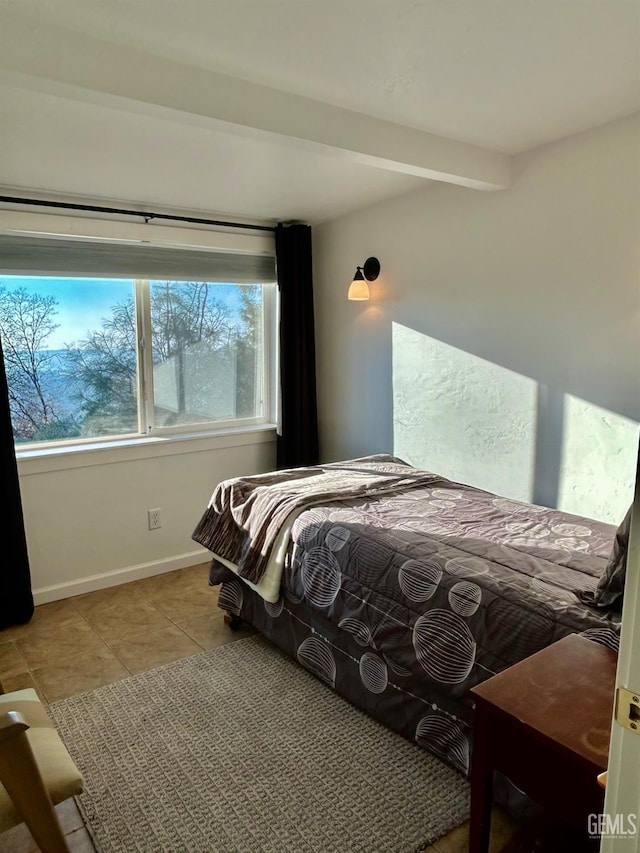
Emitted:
pixel 369 271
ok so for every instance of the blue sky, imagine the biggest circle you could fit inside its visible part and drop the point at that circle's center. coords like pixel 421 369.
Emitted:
pixel 83 303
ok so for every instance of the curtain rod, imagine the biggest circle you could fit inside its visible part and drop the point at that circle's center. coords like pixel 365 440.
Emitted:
pixel 147 215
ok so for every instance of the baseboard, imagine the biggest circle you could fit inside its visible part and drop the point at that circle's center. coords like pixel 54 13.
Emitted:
pixel 55 592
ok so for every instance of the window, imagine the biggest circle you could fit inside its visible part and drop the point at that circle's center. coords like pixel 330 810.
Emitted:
pixel 91 358
pixel 207 352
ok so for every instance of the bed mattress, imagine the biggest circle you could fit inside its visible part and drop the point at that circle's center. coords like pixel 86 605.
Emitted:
pixel 404 602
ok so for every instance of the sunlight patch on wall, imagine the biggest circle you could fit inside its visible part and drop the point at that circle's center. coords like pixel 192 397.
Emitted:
pixel 599 453
pixel 463 417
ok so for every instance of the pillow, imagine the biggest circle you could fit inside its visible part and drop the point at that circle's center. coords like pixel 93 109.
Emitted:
pixel 610 589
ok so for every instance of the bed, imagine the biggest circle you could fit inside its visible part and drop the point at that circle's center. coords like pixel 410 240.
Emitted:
pixel 400 589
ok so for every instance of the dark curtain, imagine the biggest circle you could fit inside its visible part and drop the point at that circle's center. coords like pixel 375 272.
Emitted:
pixel 298 434
pixel 16 600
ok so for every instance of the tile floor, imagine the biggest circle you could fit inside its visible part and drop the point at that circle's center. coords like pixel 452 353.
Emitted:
pixel 83 642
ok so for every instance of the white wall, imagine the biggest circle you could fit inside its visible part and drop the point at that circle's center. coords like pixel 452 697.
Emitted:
pixel 86 513
pixel 500 346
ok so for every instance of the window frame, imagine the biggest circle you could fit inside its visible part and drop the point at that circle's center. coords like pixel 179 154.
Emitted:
pixel 147 426
pixel 153 438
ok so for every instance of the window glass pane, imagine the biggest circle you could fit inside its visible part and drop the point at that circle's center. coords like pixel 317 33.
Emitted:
pixel 70 357
pixel 207 350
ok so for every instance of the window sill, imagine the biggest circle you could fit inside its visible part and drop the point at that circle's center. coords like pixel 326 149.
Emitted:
pixel 42 460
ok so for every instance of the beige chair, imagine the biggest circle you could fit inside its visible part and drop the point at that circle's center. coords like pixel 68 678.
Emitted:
pixel 36 771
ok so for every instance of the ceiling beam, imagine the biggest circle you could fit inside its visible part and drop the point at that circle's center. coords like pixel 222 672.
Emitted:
pixel 67 63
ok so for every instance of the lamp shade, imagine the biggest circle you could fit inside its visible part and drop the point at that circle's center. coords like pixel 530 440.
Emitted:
pixel 359 289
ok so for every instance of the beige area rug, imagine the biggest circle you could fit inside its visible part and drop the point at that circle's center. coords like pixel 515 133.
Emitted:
pixel 240 750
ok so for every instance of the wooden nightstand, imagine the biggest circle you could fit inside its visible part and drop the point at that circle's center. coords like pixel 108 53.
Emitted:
pixel 545 723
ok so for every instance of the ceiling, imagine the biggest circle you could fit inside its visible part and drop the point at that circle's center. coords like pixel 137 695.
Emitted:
pixel 493 77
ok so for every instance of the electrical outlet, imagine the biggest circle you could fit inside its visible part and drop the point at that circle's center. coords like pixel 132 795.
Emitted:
pixel 155 521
